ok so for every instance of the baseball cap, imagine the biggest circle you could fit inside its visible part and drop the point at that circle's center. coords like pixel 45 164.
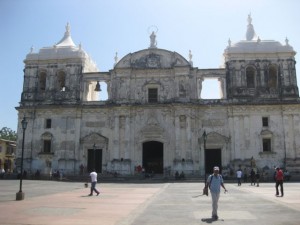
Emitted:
pixel 216 168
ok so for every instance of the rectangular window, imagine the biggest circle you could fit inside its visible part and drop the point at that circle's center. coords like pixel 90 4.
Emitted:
pixel 47 146
pixel 152 95
pixel 265 121
pixel 48 123
pixel 266 145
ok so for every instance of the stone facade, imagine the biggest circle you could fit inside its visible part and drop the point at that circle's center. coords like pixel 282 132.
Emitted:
pixel 154 115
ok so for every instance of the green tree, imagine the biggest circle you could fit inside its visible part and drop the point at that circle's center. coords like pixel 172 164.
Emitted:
pixel 8 134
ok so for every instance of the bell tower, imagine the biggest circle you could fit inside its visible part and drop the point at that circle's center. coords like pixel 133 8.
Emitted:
pixel 53 75
pixel 259 70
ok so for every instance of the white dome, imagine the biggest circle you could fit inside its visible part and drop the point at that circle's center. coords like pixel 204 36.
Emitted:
pixel 254 46
pixel 265 46
pixel 64 49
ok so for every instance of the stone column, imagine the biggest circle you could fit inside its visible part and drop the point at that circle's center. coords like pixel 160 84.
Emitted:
pixel 116 153
pixel 177 137
pixel 127 138
pixel 296 134
pixel 247 135
pixel 286 126
pixel 86 85
pixel 199 84
pixel 222 87
pixel 236 142
pixel 188 153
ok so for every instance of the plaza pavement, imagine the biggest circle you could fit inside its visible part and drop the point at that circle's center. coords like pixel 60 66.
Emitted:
pixel 176 203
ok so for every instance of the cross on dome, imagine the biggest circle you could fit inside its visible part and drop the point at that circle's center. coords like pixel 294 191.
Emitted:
pixel 249 19
pixel 68 29
pixel 67 39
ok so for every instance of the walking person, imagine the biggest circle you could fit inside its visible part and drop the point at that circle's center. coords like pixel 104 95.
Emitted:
pixel 257 177
pixel 252 175
pixel 93 176
pixel 239 177
pixel 214 183
pixel 279 181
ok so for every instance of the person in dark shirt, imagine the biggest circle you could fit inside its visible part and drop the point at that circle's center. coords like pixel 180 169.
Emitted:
pixel 252 175
pixel 257 177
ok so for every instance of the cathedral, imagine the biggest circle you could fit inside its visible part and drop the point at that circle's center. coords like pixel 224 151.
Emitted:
pixel 154 117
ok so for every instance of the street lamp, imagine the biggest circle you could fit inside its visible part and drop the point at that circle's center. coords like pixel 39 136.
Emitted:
pixel 20 194
pixel 94 148
pixel 204 136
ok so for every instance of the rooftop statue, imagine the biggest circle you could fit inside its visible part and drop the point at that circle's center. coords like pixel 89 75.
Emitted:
pixel 190 57
pixel 153 42
pixel 250 34
pixel 116 58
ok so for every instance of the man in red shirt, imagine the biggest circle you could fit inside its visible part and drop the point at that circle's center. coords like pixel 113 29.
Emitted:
pixel 279 181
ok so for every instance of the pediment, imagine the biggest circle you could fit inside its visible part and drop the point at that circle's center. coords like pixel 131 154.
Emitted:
pixel 266 133
pixel 152 59
pixel 152 129
pixel 93 138
pixel 153 132
pixel 214 137
pixel 47 136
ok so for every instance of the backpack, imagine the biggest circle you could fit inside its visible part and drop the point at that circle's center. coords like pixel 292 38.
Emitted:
pixel 205 189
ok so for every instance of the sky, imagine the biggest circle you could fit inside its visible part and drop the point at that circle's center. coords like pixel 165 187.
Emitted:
pixel 104 27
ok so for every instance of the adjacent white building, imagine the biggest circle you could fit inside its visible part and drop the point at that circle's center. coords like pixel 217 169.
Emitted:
pixel 154 115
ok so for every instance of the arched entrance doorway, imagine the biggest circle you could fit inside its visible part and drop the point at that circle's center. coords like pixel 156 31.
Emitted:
pixel 153 155
pixel 213 158
pixel 94 160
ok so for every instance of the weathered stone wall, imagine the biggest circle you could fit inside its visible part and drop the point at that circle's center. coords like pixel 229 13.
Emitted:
pixel 177 118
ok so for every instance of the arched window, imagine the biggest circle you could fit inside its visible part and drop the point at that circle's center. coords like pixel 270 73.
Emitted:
pixel 267 139
pixel 42 81
pixel 46 143
pixel 272 81
pixel 250 77
pixel 61 81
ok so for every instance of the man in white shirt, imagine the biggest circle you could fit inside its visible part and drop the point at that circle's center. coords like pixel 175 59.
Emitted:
pixel 239 176
pixel 93 176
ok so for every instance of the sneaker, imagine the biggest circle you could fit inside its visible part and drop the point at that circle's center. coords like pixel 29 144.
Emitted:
pixel 98 193
pixel 90 194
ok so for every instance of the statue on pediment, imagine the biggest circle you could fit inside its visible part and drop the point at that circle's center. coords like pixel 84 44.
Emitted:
pixel 153 41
